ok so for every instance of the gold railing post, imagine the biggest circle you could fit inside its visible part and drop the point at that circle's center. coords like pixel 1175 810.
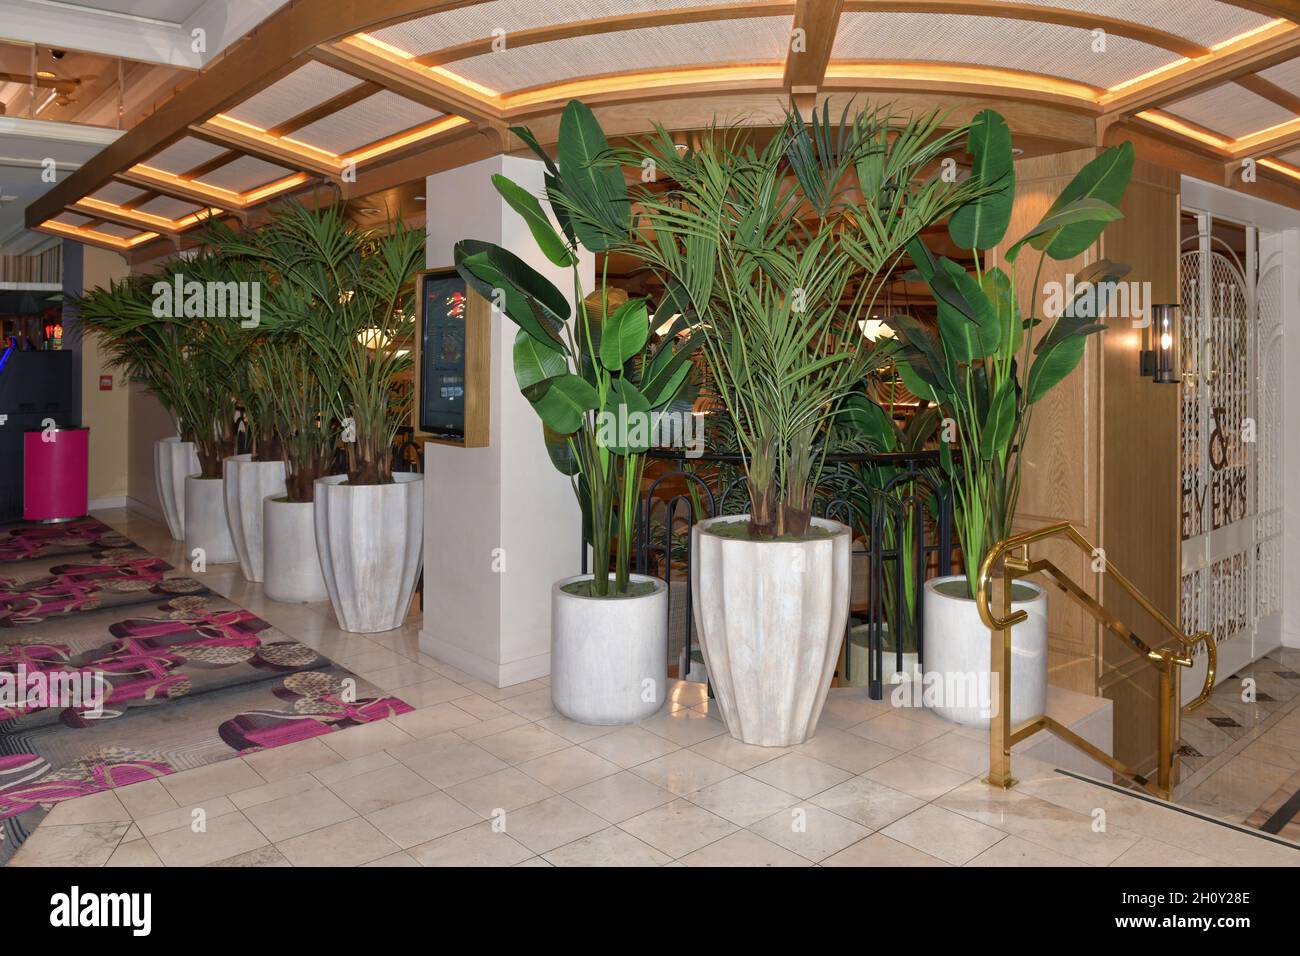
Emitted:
pixel 1000 697
pixel 1166 744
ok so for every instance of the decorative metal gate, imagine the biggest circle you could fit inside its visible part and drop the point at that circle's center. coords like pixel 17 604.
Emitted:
pixel 1230 435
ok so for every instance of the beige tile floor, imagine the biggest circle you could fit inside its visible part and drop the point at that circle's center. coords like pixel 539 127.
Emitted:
pixel 484 776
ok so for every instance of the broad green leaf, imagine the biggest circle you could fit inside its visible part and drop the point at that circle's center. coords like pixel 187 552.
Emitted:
pixel 562 401
pixel 626 428
pixel 999 423
pixel 534 362
pixel 859 415
pixel 997 288
pixel 917 384
pixel 921 256
pixel 484 278
pixel 526 204
pixel 664 390
pixel 525 134
pixel 554 304
pixel 1105 178
pixel 560 451
pixel 589 180
pixel 1094 213
pixel 968 323
pixel 1050 367
pixel 624 334
pixel 981 223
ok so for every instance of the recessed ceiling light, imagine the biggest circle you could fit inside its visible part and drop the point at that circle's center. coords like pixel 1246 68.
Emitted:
pixel 419 199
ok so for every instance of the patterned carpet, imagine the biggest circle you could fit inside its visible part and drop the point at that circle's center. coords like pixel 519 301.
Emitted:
pixel 115 669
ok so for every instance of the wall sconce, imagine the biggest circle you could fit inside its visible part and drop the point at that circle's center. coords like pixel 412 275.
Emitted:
pixel 1159 356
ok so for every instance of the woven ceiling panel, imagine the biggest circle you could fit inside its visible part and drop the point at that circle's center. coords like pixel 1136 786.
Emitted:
pixel 117 193
pixel 1230 109
pixel 476 22
pixel 755 40
pixel 71 219
pixel 184 155
pixel 1292 157
pixel 374 118
pixel 245 173
pixel 308 86
pixel 1045 48
pixel 1206 22
pixel 169 207
pixel 118 231
pixel 1285 75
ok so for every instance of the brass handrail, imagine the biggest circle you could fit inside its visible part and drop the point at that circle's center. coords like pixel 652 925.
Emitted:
pixel 1001 736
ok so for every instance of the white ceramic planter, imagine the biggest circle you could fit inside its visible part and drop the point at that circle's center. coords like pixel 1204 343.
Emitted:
pixel 771 618
pixel 957 652
pixel 205 521
pixel 291 569
pixel 247 485
pixel 370 539
pixel 173 461
pixel 609 656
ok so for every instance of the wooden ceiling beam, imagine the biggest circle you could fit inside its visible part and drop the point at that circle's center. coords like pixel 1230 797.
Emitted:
pixel 349 97
pixel 406 79
pixel 1255 53
pixel 808 51
pixel 1270 91
pixel 178 189
pixel 212 165
pixel 1282 9
pixel 125 218
pixel 281 43
pixel 265 148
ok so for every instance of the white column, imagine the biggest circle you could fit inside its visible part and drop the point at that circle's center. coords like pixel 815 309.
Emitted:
pixel 501 524
pixel 1291 439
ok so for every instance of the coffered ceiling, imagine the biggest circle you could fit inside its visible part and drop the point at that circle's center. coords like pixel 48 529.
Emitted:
pixel 326 91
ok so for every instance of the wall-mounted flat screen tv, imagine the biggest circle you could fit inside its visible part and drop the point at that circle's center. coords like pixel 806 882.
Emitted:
pixel 443 314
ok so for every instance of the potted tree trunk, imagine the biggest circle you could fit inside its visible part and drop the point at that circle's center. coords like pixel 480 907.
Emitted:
pixel 599 387
pixel 347 295
pixel 986 369
pixel 778 251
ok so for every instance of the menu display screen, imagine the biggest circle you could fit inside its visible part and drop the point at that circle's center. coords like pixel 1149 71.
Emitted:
pixel 442 354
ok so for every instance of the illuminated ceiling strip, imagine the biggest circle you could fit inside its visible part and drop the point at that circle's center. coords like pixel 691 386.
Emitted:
pixel 1173 124
pixel 440 125
pixel 87 235
pixel 652 79
pixel 226 197
pixel 229 123
pixel 966 74
pixel 145 219
pixel 362 41
pixel 1286 169
pixel 1244 143
pixel 1217 51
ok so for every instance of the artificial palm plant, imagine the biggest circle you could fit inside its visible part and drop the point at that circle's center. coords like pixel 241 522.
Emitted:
pixel 345 297
pixel 989 363
pixel 780 250
pixel 592 375
pixel 191 362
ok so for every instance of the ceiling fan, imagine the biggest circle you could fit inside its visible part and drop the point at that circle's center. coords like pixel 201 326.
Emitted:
pixel 64 88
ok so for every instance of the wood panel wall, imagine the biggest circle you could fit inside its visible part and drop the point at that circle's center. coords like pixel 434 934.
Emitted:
pixel 1102 450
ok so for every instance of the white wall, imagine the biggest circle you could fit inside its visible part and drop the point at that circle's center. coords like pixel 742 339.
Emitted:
pixel 494 624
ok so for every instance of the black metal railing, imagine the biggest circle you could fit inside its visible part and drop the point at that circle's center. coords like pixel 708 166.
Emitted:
pixel 898 505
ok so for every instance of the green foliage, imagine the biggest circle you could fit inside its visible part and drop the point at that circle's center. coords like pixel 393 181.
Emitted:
pixel 981 370
pixel 766 244
pixel 592 374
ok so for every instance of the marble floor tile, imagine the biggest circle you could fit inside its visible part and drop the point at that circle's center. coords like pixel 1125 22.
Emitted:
pixel 479 845
pixel 226 836
pixel 290 816
pixel 630 746
pixel 552 823
pixel 507 789
pixel 941 833
pixel 349 843
pixel 569 768
pixel 741 799
pixel 368 792
pixel 82 844
pixel 678 828
pixel 880 850
pixel 682 772
pixel 619 796
pixel 810 831
pixel 423 819
pixel 607 848
pixel 799 775
pixel 743 848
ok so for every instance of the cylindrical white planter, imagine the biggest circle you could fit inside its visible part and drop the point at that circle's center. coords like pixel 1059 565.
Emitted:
pixel 173 461
pixel 609 656
pixel 247 484
pixel 291 567
pixel 205 521
pixel 771 618
pixel 957 651
pixel 370 539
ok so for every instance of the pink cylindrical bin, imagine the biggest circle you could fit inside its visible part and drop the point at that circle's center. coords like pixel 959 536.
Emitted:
pixel 56 474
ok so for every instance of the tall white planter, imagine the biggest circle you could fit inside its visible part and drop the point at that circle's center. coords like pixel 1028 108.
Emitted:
pixel 609 656
pixel 291 567
pixel 771 617
pixel 370 539
pixel 957 650
pixel 173 461
pixel 247 484
pixel 205 521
